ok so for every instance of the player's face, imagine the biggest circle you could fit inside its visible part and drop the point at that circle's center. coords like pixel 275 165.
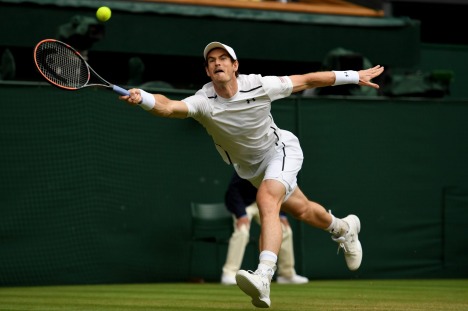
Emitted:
pixel 220 67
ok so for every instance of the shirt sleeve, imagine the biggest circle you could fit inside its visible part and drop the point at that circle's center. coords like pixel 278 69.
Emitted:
pixel 197 104
pixel 192 106
pixel 277 87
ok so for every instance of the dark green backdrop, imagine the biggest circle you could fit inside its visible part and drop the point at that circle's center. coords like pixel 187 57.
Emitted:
pixel 95 191
pixel 174 29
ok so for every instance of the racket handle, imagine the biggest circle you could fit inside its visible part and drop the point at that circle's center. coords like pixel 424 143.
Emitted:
pixel 120 90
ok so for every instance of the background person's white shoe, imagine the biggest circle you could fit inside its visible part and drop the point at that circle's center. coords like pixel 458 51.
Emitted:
pixel 256 285
pixel 296 279
pixel 350 243
pixel 228 279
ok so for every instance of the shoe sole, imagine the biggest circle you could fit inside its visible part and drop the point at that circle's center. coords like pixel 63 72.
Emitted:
pixel 250 289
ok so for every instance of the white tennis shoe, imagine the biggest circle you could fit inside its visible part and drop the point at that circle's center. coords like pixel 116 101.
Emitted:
pixel 350 243
pixel 256 285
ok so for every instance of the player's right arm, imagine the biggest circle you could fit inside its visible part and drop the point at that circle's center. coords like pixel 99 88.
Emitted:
pixel 163 106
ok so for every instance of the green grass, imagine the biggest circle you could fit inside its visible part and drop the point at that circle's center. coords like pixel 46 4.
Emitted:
pixel 362 295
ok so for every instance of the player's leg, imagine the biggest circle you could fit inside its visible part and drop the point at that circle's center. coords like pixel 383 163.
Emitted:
pixel 344 231
pixel 275 184
pixel 256 284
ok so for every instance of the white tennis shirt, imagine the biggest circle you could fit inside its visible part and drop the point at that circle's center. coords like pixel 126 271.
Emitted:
pixel 242 126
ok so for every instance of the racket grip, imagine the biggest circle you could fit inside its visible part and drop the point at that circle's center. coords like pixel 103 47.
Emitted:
pixel 120 90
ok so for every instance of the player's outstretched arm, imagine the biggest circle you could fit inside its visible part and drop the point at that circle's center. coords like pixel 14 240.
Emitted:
pixel 329 78
pixel 156 104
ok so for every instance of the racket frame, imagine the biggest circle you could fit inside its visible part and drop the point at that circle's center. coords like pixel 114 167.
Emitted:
pixel 90 72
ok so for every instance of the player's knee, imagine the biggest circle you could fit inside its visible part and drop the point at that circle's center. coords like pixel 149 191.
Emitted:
pixel 299 213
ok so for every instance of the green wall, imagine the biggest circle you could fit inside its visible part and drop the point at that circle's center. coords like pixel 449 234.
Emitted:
pixel 393 163
pixel 183 30
pixel 453 58
pixel 96 191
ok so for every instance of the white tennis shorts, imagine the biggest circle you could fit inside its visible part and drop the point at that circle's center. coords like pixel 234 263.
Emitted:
pixel 282 164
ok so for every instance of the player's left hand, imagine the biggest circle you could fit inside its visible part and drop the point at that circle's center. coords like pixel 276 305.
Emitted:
pixel 366 75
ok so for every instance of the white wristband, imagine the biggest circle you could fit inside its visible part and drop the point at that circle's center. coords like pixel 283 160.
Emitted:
pixel 346 77
pixel 147 100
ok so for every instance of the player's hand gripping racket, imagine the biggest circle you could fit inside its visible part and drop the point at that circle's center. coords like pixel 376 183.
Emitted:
pixel 64 67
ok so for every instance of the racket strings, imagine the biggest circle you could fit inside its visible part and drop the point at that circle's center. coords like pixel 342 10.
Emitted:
pixel 61 65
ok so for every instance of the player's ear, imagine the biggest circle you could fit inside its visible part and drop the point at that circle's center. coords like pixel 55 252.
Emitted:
pixel 207 71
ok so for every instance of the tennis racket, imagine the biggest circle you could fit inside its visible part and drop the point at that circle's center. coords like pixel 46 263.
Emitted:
pixel 62 66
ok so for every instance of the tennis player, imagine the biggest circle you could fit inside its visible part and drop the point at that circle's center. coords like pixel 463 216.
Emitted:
pixel 235 111
pixel 240 199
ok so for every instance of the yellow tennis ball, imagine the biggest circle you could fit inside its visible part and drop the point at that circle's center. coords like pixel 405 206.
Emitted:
pixel 103 14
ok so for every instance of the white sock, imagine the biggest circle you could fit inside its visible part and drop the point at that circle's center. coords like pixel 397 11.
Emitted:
pixel 268 262
pixel 268 257
pixel 337 227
